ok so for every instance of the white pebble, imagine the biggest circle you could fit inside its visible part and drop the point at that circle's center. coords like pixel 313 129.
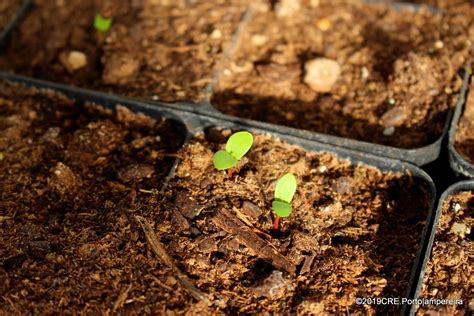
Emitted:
pixel 389 131
pixel 321 74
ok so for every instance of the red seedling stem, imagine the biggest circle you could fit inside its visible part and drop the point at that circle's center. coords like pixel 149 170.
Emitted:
pixel 276 223
pixel 229 172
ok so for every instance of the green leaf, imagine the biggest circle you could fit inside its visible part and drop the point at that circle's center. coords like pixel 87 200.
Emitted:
pixel 281 208
pixel 239 144
pixel 223 160
pixel 285 188
pixel 102 24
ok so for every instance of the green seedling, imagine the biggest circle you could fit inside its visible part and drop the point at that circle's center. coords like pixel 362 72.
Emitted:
pixel 284 191
pixel 102 24
pixel 237 146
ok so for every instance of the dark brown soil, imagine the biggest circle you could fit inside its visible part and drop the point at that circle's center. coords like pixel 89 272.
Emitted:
pixel 72 177
pixel 8 10
pixel 450 271
pixel 464 138
pixel 354 231
pixel 175 47
pixel 50 31
pixel 161 50
pixel 398 70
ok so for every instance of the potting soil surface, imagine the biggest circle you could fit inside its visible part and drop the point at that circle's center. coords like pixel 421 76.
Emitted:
pixel 72 177
pixel 450 271
pixel 345 68
pixel 354 231
pixel 160 50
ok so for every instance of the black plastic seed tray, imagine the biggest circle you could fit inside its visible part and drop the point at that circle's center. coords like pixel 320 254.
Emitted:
pixel 193 124
pixel 458 163
pixel 418 156
pixel 5 32
pixel 467 185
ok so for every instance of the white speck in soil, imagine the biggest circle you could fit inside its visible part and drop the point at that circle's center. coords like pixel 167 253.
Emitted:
pixel 364 73
pixel 274 286
pixel 389 131
pixel 457 207
pixel 439 44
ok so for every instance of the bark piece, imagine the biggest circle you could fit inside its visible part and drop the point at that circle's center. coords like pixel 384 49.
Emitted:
pixel 161 253
pixel 228 222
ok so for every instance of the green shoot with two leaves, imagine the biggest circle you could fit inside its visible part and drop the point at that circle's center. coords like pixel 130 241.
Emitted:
pixel 284 191
pixel 102 24
pixel 237 146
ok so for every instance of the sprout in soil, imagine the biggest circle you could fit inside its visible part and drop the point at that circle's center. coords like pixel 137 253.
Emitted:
pixel 237 146
pixel 102 24
pixel 284 191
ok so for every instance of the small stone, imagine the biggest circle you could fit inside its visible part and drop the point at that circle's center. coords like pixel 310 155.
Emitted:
pixel 287 7
pixel 73 60
pixel 389 131
pixel 439 44
pixel 321 74
pixel 322 169
pixel 364 72
pixel 259 39
pixel 135 172
pixel 393 117
pixel 216 34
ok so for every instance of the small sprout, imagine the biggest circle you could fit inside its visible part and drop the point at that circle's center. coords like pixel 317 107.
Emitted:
pixel 102 24
pixel 284 191
pixel 237 146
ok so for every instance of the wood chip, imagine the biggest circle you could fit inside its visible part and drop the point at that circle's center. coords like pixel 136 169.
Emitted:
pixel 244 235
